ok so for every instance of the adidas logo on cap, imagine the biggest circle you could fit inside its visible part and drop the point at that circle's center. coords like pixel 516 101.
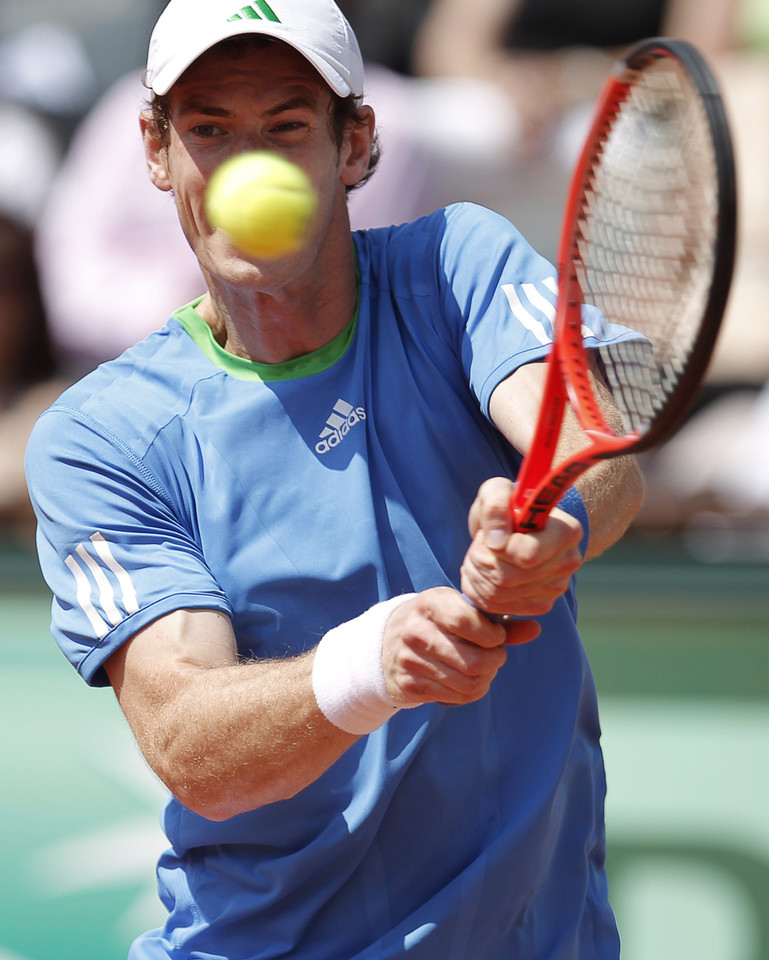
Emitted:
pixel 259 10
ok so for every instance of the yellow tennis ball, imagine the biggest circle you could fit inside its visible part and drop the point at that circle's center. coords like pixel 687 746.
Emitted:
pixel 263 202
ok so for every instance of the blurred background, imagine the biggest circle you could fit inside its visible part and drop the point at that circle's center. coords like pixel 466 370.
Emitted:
pixel 486 102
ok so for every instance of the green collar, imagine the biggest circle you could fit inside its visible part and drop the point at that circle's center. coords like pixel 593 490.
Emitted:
pixel 243 369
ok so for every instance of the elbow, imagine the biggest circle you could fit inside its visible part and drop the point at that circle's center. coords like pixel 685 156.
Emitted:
pixel 192 782
pixel 630 500
pixel 219 809
pixel 205 803
pixel 207 798
pixel 629 494
pixel 619 510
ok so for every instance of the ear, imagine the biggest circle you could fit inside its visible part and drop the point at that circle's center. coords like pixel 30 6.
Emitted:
pixel 155 153
pixel 356 151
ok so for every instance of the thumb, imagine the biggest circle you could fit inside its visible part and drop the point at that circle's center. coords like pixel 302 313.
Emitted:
pixel 496 518
pixel 496 537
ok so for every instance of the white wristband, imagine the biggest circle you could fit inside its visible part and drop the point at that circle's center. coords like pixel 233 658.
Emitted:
pixel 347 674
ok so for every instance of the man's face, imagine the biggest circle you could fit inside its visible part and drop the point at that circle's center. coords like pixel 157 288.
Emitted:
pixel 266 98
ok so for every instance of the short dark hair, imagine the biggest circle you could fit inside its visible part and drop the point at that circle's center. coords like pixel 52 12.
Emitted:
pixel 343 111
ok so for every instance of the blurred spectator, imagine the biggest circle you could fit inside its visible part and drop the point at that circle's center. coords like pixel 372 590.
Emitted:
pixel 113 260
pixel 498 97
pixel 29 157
pixel 693 488
pixel 47 82
pixel 386 30
pixel 27 366
pixel 742 356
pixel 545 56
pixel 25 354
pixel 44 68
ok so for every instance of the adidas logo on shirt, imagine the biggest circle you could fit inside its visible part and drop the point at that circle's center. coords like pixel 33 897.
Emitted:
pixel 343 418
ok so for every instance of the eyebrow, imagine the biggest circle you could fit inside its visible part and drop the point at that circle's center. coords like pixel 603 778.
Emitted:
pixel 198 104
pixel 298 101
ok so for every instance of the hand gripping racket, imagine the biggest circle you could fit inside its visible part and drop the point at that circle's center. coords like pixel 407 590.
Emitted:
pixel 648 238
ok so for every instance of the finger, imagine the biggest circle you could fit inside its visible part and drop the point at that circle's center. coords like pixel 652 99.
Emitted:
pixel 529 557
pixel 438 648
pixel 458 619
pixel 488 579
pixel 493 515
pixel 457 672
pixel 520 632
pixel 559 539
pixel 497 587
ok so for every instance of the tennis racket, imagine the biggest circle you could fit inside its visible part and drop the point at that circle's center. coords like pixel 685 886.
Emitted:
pixel 648 238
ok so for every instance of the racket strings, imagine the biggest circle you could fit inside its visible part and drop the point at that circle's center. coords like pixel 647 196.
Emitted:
pixel 646 237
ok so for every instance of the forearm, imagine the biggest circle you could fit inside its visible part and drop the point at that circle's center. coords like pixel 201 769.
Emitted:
pixel 224 736
pixel 612 492
pixel 240 737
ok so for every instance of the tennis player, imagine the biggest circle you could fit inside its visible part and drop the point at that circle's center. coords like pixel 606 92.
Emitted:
pixel 253 525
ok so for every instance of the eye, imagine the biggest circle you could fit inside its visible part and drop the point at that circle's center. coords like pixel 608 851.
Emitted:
pixel 289 127
pixel 206 130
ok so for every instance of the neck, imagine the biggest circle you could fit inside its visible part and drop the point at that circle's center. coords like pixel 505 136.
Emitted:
pixel 288 317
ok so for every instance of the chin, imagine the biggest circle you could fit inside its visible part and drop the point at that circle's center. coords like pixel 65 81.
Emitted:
pixel 233 266
pixel 221 261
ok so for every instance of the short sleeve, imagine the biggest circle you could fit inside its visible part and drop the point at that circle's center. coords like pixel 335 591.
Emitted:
pixel 500 293
pixel 114 549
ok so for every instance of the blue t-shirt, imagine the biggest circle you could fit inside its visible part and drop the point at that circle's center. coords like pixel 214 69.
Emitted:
pixel 293 497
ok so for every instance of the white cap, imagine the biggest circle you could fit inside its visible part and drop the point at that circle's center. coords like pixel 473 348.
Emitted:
pixel 315 28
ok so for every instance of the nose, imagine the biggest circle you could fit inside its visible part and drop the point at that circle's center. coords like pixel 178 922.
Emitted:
pixel 250 140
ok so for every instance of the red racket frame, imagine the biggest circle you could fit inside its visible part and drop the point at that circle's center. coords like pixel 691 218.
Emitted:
pixel 540 485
